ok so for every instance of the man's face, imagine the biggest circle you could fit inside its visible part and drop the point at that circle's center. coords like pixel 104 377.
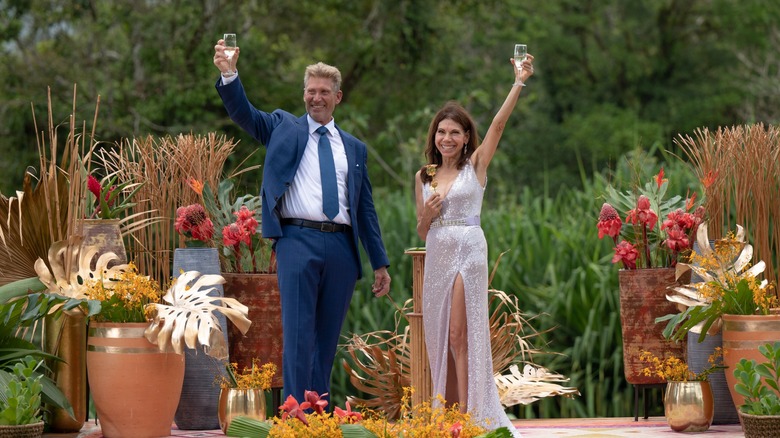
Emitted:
pixel 320 99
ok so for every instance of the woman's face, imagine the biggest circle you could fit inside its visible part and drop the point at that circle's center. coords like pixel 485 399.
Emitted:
pixel 450 138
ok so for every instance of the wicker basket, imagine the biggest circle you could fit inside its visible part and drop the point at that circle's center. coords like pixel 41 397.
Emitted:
pixel 34 430
pixel 760 426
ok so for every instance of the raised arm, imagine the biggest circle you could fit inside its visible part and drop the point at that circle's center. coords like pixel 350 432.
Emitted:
pixel 484 153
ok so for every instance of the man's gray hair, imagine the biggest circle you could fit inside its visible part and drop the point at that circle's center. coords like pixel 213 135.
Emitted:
pixel 322 70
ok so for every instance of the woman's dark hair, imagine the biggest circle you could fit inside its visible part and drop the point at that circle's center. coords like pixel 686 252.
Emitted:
pixel 452 111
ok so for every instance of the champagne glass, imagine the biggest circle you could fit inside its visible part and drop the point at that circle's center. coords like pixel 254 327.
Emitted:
pixel 230 47
pixel 521 53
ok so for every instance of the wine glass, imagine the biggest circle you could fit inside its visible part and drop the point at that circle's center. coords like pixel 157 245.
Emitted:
pixel 230 47
pixel 521 53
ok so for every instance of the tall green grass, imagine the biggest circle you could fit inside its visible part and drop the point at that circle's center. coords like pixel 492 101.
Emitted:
pixel 555 265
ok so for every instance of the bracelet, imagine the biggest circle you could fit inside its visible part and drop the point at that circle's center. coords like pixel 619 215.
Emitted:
pixel 518 84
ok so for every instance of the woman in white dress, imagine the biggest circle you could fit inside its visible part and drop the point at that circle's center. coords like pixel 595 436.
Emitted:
pixel 455 308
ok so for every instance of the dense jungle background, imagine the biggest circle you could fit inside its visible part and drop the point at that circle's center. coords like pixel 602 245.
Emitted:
pixel 616 82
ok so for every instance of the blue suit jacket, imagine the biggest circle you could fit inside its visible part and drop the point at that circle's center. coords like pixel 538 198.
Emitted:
pixel 284 136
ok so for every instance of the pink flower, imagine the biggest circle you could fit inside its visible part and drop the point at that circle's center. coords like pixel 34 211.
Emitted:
pixel 609 222
pixel 314 401
pixel 677 239
pixel 642 213
pixel 626 253
pixel 456 429
pixel 246 218
pixel 291 409
pixel 192 221
pixel 93 185
pixel 233 235
pixel 349 416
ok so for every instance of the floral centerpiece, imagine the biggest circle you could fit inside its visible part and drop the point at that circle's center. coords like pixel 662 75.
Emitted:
pixel 730 285
pixel 655 234
pixel 253 377
pixel 673 369
pixel 236 225
pixel 193 223
pixel 423 420
pixel 689 405
pixel 643 241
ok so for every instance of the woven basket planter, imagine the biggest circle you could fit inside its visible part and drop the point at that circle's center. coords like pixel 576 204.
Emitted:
pixel 34 430
pixel 760 426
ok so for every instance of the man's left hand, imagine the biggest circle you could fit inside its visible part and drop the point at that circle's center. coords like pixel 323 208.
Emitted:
pixel 381 282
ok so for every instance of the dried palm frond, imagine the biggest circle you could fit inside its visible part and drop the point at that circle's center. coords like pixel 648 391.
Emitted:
pixel 61 280
pixel 190 316
pixel 381 359
pixel 532 384
pixel 47 210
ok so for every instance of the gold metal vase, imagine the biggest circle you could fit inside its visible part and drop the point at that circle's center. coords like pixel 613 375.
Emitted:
pixel 66 337
pixel 240 403
pixel 689 406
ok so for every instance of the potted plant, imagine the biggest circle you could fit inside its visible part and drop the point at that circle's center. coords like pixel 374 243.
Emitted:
pixel 134 354
pixel 20 400
pixel 730 294
pixel 242 393
pixel 249 268
pixel 759 383
pixel 657 232
pixel 688 401
pixel 199 398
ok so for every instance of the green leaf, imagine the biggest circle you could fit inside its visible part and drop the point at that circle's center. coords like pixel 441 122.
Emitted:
pixel 248 427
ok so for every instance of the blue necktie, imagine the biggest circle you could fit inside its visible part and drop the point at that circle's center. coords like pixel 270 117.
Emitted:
pixel 330 191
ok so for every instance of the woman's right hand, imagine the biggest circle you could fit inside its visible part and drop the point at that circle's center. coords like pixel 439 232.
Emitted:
pixel 432 206
pixel 221 60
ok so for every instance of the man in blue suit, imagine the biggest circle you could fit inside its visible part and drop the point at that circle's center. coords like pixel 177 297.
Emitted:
pixel 315 217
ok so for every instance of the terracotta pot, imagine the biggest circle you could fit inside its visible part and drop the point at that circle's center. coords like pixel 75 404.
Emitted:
pixel 66 337
pixel 240 403
pixel 642 300
pixel 135 387
pixel 688 406
pixel 259 292
pixel 742 335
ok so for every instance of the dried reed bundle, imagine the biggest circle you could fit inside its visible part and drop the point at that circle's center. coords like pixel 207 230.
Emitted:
pixel 164 166
pixel 39 216
pixel 739 169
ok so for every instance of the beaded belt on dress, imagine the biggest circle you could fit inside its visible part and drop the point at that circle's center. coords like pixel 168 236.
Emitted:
pixel 469 221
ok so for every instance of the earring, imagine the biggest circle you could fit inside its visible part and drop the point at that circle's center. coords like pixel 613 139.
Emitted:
pixel 465 148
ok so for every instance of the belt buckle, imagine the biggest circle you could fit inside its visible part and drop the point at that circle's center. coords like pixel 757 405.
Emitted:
pixel 327 227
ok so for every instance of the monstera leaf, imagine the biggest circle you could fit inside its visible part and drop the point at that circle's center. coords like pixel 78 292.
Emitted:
pixel 189 319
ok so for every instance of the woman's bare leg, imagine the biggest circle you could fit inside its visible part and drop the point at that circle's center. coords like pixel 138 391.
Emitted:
pixel 459 341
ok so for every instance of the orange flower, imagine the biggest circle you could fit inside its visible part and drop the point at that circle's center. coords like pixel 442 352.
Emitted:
pixel 196 185
pixel 659 179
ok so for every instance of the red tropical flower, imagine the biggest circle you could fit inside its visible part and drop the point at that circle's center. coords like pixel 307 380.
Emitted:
pixel 643 213
pixel 291 409
pixel 627 254
pixel 659 179
pixel 193 222
pixel 609 222
pixel 349 416
pixel 314 401
pixel 456 429
pixel 677 239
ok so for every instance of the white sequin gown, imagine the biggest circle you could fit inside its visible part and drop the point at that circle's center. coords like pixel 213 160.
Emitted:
pixel 454 248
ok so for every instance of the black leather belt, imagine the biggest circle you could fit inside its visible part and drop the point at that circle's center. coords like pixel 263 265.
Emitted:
pixel 327 227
